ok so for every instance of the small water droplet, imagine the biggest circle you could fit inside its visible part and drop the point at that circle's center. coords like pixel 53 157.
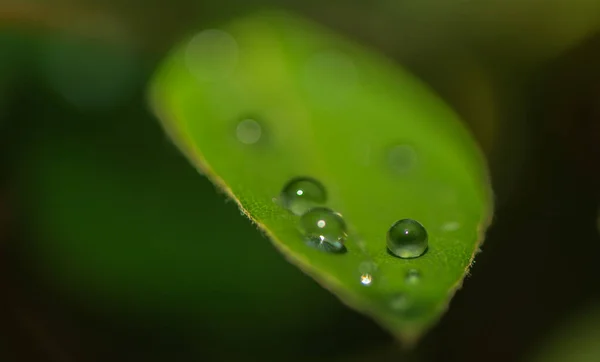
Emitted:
pixel 407 239
pixel 412 276
pixel 367 271
pixel 324 229
pixel 366 279
pixel 248 131
pixel 401 158
pixel 301 194
pixel 400 302
pixel 212 55
pixel 451 226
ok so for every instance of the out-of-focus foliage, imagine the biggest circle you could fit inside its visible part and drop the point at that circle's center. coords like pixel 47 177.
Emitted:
pixel 574 339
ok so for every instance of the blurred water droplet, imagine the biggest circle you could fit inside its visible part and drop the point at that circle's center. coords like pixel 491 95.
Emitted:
pixel 401 159
pixel 248 131
pixel 451 226
pixel 400 302
pixel 407 239
pixel 303 193
pixel 212 55
pixel 324 229
pixel 412 276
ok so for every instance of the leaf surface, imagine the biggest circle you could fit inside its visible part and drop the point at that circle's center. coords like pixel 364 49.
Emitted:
pixel 383 145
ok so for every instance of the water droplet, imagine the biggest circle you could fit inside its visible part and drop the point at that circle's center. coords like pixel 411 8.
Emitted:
pixel 324 229
pixel 451 226
pixel 400 302
pixel 407 239
pixel 248 131
pixel 212 55
pixel 366 279
pixel 412 276
pixel 401 158
pixel 301 194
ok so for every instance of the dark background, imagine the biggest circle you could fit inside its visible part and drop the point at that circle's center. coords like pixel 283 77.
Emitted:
pixel 113 247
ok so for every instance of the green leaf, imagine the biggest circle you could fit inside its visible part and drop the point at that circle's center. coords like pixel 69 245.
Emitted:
pixel 334 111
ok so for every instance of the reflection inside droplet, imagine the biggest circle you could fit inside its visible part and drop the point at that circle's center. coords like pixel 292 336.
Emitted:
pixel 248 131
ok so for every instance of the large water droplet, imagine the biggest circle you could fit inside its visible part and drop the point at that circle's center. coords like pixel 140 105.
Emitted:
pixel 407 239
pixel 212 55
pixel 248 131
pixel 401 159
pixel 301 194
pixel 324 229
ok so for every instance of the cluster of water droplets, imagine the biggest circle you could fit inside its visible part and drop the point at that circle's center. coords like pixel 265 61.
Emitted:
pixel 325 230
pixel 322 227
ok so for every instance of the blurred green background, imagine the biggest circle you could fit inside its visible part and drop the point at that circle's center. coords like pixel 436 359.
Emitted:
pixel 113 246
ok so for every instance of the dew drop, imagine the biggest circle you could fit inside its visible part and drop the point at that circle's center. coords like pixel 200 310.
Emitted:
pixel 248 131
pixel 367 271
pixel 212 55
pixel 401 159
pixel 366 279
pixel 301 194
pixel 407 239
pixel 412 277
pixel 324 229
pixel 408 307
pixel 451 226
pixel 400 302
